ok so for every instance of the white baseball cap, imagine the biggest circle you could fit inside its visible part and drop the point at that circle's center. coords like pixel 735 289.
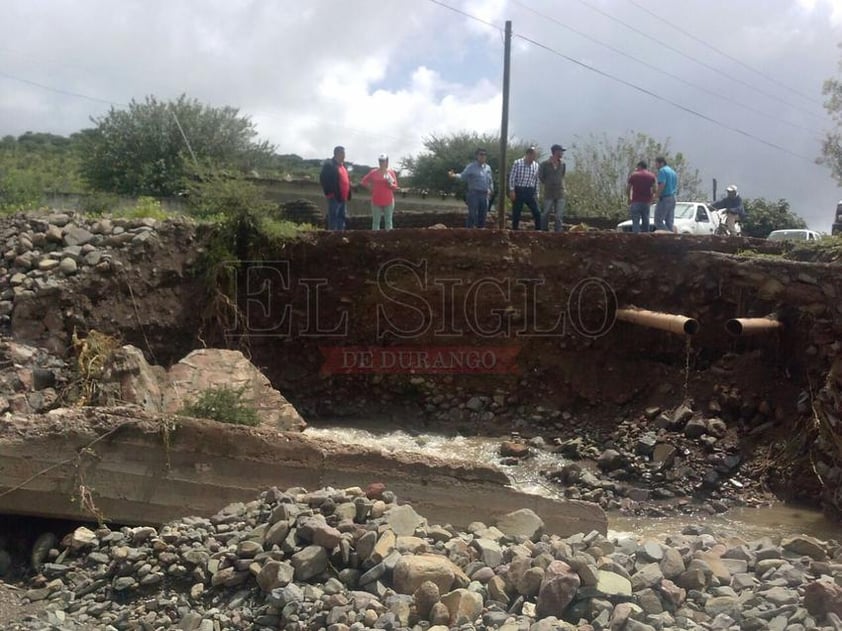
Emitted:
pixel 383 157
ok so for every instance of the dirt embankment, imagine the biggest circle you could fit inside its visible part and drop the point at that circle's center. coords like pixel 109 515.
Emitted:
pixel 548 298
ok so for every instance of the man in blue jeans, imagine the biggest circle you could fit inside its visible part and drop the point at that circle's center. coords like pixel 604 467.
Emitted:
pixel 641 190
pixel 480 180
pixel 667 188
pixel 336 185
pixel 523 187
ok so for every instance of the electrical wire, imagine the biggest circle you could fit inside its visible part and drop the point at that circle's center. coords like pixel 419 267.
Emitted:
pixel 61 91
pixel 665 72
pixel 769 95
pixel 612 77
pixel 663 99
pixel 724 54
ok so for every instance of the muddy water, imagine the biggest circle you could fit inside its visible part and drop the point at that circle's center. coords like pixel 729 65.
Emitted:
pixel 773 521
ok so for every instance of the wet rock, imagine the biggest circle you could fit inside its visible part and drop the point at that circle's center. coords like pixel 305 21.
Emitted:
pixel 646 443
pixel 695 428
pixel 664 454
pixel 610 460
pixel 803 544
pixel 511 449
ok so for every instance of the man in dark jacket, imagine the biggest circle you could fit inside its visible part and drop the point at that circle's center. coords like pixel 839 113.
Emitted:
pixel 732 203
pixel 336 185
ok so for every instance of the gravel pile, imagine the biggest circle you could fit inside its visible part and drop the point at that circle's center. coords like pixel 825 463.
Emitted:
pixel 351 559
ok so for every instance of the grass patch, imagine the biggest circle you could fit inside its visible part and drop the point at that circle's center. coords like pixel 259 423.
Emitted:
pixel 282 230
pixel 224 405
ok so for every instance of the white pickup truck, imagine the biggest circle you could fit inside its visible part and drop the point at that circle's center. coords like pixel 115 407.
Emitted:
pixel 690 218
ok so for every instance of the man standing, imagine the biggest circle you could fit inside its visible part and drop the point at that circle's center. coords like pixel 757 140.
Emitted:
pixel 337 188
pixel 551 173
pixel 641 192
pixel 667 188
pixel 523 188
pixel 477 175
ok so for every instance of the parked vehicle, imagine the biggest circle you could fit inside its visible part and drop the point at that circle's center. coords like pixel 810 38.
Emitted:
pixel 794 235
pixel 690 218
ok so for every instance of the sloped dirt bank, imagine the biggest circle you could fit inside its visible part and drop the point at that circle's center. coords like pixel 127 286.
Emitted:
pixel 580 375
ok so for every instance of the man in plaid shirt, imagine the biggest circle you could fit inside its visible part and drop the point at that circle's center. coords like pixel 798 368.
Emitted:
pixel 523 187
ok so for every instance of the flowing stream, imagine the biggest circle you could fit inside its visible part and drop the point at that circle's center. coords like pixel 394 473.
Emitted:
pixel 747 523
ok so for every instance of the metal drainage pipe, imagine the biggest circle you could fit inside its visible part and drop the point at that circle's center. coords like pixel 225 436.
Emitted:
pixel 753 326
pixel 679 324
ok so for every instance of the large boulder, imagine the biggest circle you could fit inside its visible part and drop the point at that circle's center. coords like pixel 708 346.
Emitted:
pixel 157 390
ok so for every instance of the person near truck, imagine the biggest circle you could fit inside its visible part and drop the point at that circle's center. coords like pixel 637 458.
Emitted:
pixel 641 191
pixel 667 189
pixel 336 185
pixel 732 204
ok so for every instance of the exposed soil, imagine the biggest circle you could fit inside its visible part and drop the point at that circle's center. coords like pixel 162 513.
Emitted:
pixel 488 289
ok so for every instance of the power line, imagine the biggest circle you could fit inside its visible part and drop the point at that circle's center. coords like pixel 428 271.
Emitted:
pixel 698 61
pixel 467 15
pixel 726 55
pixel 632 85
pixel 60 90
pixel 664 99
pixel 664 72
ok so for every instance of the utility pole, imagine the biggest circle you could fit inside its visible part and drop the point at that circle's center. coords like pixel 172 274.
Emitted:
pixel 504 127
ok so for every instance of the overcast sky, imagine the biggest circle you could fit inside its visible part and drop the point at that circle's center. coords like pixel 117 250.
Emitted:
pixel 380 76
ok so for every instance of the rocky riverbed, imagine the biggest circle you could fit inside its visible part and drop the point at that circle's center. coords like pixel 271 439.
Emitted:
pixel 349 559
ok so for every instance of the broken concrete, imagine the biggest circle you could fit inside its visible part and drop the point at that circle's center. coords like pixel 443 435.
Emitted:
pixel 145 469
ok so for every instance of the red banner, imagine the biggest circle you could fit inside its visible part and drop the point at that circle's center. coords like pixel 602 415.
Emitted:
pixel 420 360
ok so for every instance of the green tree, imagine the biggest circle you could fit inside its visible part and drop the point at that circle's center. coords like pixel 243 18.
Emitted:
pixel 443 153
pixel 35 164
pixel 832 142
pixel 599 168
pixel 764 216
pixel 141 150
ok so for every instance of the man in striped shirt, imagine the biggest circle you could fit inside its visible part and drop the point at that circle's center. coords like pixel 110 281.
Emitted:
pixel 523 187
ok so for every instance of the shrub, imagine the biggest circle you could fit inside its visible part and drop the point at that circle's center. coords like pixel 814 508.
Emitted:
pixel 146 207
pixel 99 203
pixel 222 404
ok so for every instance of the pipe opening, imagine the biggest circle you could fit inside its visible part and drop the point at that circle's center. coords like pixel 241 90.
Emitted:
pixel 691 326
pixel 734 327
pixel 752 326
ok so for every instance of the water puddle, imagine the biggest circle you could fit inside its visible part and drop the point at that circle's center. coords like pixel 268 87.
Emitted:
pixel 746 523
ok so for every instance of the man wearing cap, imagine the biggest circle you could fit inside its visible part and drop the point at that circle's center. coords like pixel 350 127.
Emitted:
pixel 477 175
pixel 523 187
pixel 383 183
pixel 551 174
pixel 734 209
pixel 336 185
